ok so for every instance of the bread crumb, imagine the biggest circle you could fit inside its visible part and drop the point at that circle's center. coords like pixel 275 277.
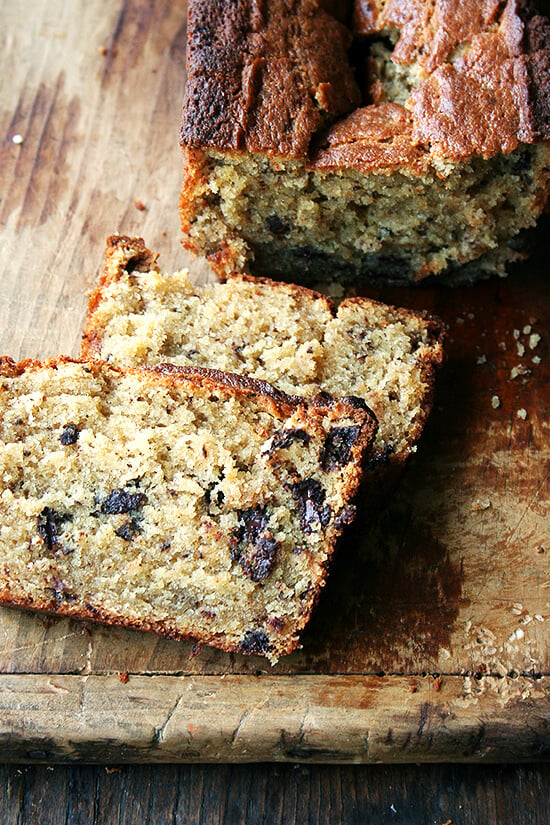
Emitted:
pixel 522 413
pixel 534 340
pixel 103 50
pixel 521 349
pixel 517 609
pixel 123 677
pixel 495 402
pixel 516 334
pixel 538 617
pixel 18 139
pixel 536 359
pixel 481 359
pixel 139 205
pixel 519 369
pixel 481 504
pixel 527 329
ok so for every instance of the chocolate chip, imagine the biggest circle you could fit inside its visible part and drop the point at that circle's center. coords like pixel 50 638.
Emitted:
pixel 277 226
pixel 61 591
pixel 255 641
pixel 338 445
pixel 256 548
pixel 50 525
pixel 284 438
pixel 128 530
pixel 310 497
pixel 379 459
pixel 69 435
pixel 345 516
pixel 122 501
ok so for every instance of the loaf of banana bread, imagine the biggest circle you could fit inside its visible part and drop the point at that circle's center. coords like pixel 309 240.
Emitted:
pixel 408 141
pixel 288 335
pixel 189 502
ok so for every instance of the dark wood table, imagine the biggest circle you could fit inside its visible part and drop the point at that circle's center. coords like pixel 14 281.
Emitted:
pixel 272 794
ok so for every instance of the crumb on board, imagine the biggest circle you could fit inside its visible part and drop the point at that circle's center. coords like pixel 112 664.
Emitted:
pixel 480 504
pixel 495 402
pixel 522 413
pixel 139 205
pixel 518 370
pixel 17 139
pixel 123 677
pixel 481 359
pixel 534 340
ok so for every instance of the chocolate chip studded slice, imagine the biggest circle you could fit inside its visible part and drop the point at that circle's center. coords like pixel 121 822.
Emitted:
pixel 168 515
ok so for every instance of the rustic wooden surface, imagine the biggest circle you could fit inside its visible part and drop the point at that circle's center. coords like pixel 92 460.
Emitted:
pixel 276 795
pixel 431 641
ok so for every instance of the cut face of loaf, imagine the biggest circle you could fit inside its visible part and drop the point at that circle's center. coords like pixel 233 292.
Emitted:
pixel 433 167
pixel 290 336
pixel 186 502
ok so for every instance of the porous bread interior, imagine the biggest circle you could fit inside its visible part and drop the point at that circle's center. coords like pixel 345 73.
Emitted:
pixel 283 218
pixel 197 461
pixel 276 333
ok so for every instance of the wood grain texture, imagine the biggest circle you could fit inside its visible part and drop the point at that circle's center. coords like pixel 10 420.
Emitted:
pixel 276 795
pixel 450 580
pixel 202 718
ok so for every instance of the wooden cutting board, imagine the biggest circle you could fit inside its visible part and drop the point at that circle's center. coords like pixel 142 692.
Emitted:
pixel 431 641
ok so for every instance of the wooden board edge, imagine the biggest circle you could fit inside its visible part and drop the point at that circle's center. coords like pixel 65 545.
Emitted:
pixel 105 719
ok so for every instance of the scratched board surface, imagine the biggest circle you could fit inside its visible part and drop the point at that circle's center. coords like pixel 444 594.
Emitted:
pixel 431 639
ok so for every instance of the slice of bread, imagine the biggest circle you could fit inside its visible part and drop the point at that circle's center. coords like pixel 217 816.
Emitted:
pixel 188 502
pixel 290 336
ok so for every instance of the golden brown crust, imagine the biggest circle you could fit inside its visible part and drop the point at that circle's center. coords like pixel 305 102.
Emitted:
pixel 484 72
pixel 483 81
pixel 264 77
pixel 372 139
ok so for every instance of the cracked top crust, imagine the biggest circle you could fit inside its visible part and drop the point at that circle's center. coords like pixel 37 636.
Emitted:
pixel 276 78
pixel 264 75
